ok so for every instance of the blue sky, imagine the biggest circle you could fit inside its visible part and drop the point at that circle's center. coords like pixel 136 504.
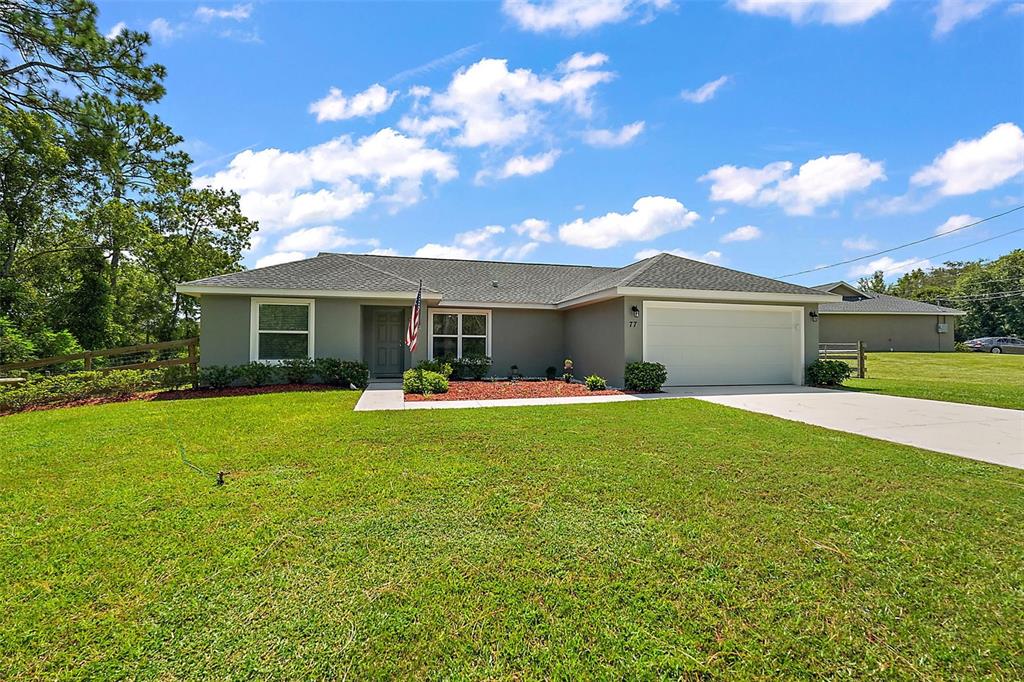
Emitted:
pixel 766 135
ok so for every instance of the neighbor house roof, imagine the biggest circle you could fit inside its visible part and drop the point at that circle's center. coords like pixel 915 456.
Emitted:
pixel 489 282
pixel 880 303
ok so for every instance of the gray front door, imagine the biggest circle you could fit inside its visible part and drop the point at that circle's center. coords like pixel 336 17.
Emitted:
pixel 387 342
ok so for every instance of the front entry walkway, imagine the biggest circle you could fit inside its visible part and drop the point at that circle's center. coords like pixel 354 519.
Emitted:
pixel 989 434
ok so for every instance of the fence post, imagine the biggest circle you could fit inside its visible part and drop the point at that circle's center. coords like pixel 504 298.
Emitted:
pixel 88 361
pixel 860 359
pixel 193 363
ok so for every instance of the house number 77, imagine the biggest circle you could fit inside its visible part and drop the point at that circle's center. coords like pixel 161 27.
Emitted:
pixel 632 323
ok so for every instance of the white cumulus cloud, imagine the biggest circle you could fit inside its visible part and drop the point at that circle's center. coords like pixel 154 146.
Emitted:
pixel 613 138
pixel 235 12
pixel 522 166
pixel 837 12
pixel 488 104
pixel 956 222
pixel 279 257
pixel 971 166
pixel 483 243
pixel 950 13
pixel 534 228
pixel 116 30
pixel 577 16
pixel 705 92
pixel 650 218
pixel 332 180
pixel 323 238
pixel 162 30
pixel 816 183
pixel 889 267
pixel 742 234
pixel 337 107
pixel 713 257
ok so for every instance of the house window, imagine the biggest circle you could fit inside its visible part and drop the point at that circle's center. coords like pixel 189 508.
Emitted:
pixel 282 329
pixel 460 333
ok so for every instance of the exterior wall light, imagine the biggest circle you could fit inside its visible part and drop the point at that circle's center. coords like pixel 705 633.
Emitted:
pixel 636 311
pixel 814 315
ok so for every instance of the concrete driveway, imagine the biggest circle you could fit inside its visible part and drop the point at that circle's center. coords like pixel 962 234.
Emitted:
pixel 989 434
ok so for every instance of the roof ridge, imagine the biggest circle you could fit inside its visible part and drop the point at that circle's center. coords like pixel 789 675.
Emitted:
pixel 643 268
pixel 383 272
pixel 474 260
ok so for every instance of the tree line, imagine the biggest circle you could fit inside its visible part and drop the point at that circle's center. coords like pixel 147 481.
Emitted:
pixel 99 218
pixel 990 292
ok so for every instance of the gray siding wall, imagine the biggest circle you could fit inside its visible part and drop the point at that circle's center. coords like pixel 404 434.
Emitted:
pixel 889 332
pixel 225 325
pixel 635 336
pixel 532 339
pixel 595 340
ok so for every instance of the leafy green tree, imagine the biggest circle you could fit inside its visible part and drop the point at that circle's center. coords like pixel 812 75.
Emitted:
pixel 875 283
pixel 54 54
pixel 90 305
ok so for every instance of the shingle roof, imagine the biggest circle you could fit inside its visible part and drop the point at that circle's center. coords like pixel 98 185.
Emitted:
pixel 474 281
pixel 882 303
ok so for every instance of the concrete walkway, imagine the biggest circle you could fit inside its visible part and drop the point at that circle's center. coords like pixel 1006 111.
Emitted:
pixel 989 434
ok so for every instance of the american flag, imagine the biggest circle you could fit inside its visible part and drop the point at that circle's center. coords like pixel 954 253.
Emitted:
pixel 412 333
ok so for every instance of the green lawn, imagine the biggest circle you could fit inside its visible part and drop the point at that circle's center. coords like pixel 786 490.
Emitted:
pixel 669 538
pixel 976 378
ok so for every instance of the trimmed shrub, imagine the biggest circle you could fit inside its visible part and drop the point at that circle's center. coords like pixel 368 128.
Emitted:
pixel 645 377
pixel 961 347
pixel 257 374
pixel 423 382
pixel 595 383
pixel 175 376
pixel 471 367
pixel 298 371
pixel 79 386
pixel 218 376
pixel 828 372
pixel 357 374
pixel 343 372
pixel 440 366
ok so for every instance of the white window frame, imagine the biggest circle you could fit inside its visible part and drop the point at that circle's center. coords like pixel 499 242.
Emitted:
pixel 254 323
pixel 458 335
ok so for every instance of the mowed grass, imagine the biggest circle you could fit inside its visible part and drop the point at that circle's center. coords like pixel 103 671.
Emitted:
pixel 668 538
pixel 975 378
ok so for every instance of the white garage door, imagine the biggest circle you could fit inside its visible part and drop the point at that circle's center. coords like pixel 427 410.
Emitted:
pixel 717 344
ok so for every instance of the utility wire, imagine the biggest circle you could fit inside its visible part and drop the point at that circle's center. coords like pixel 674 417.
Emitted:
pixel 902 246
pixel 961 248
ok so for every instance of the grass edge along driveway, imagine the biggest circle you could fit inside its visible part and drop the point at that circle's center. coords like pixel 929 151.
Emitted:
pixel 665 538
pixel 972 378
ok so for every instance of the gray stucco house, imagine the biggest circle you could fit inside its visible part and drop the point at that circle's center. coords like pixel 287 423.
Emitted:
pixel 885 323
pixel 707 324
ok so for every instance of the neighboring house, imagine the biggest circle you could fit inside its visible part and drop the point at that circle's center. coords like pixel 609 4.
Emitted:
pixel 885 323
pixel 709 325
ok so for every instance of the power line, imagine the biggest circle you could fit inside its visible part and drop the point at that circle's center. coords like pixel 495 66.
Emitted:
pixel 983 297
pixel 961 248
pixel 902 246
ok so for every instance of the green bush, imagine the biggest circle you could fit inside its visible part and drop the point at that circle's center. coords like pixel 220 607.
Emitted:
pixel 298 371
pixel 551 372
pixel 423 382
pixel 441 366
pixel 257 374
pixel 65 388
pixel 828 372
pixel 596 383
pixel 470 367
pixel 645 377
pixel 175 376
pixel 218 376
pixel 343 372
pixel 961 347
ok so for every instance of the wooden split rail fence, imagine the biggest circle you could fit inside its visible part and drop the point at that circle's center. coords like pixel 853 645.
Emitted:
pixel 145 351
pixel 852 353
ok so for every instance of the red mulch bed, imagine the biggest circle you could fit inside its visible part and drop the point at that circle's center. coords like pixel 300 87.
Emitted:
pixel 496 390
pixel 184 394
